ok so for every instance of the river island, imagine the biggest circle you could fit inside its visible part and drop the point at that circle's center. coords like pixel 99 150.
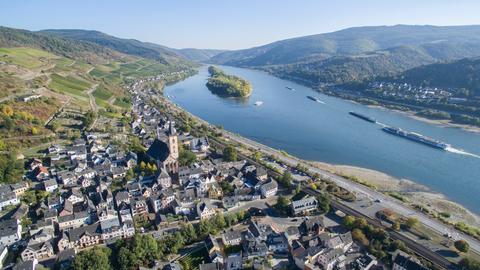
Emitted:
pixel 226 85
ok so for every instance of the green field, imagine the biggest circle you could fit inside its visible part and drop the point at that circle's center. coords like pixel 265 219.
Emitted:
pixel 102 93
pixel 26 57
pixel 121 103
pixel 69 85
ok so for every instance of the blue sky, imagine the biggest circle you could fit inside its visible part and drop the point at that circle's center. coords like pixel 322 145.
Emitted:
pixel 229 24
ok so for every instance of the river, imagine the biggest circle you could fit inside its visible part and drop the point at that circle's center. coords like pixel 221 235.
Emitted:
pixel 324 131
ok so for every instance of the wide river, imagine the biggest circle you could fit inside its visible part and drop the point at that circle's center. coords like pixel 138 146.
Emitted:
pixel 324 131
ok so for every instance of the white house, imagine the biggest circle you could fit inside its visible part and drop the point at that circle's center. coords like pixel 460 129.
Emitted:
pixel 269 189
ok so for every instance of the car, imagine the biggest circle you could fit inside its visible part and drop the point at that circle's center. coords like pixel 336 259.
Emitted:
pixel 377 201
pixel 293 220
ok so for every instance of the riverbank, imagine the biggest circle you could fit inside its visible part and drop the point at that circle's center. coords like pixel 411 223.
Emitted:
pixel 413 194
pixel 438 122
pixel 410 113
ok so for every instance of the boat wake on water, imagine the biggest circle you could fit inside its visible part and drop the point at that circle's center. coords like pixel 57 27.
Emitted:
pixel 460 152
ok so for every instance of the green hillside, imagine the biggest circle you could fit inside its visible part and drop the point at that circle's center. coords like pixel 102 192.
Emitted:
pixel 53 87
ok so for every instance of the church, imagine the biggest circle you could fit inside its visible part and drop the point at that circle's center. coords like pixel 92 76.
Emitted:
pixel 164 150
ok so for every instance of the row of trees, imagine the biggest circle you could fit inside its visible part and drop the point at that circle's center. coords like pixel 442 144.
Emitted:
pixel 376 240
pixel 143 249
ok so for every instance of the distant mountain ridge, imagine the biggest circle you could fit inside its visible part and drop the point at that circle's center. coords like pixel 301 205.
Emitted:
pixel 349 41
pixel 129 46
pixel 10 37
pixel 150 50
pixel 359 53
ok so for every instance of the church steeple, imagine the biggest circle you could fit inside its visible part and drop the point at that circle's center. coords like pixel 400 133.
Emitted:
pixel 172 140
pixel 171 129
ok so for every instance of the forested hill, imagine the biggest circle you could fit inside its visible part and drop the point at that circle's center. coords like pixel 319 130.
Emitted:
pixel 440 41
pixel 148 50
pixel 91 52
pixel 463 73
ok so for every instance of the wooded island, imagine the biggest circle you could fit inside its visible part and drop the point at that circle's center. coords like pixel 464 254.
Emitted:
pixel 226 85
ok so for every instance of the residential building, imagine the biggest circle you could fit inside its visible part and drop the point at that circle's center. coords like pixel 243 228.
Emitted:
pixel 269 189
pixel 304 205
pixel 10 231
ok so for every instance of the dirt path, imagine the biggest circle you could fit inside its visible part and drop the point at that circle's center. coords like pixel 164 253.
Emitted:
pixel 93 104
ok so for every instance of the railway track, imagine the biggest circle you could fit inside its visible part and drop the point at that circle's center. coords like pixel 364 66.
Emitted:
pixel 417 248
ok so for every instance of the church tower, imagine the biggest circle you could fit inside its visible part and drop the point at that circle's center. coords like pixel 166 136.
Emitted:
pixel 173 141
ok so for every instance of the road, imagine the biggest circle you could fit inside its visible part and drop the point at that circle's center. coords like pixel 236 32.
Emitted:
pixel 413 245
pixel 386 201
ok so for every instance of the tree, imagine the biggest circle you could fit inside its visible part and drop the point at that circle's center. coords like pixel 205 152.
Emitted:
pixel 143 165
pixel 462 246
pixel 204 228
pixel 55 126
pixel 186 157
pixel 188 232
pixel 360 223
pixel 283 204
pixel 359 236
pixel 136 146
pixel 286 179
pixel 323 203
pixel 7 110
pixel 219 221
pixel 411 222
pixel 95 258
pixel 34 131
pixel 469 264
pixel 257 156
pixel 396 226
pixel 231 219
pixel 230 153
pixel 11 169
pixel 89 119
pixel 349 221
pixel 227 188
pixel 126 259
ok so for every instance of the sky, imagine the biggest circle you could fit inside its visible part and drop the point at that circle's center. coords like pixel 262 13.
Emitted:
pixel 229 24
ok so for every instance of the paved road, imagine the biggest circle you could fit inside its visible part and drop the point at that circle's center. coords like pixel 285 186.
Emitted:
pixel 412 244
pixel 386 201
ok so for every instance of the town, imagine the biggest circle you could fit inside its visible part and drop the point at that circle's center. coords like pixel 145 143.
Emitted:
pixel 173 180
pixel 417 93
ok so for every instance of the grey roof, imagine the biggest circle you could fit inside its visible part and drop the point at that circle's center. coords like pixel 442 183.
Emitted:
pixel 407 263
pixel 270 185
pixel 209 266
pixel 232 235
pixel 8 227
pixel 233 262
pixel 50 183
pixel 122 196
pixel 78 215
pixel 27 265
pixel 75 234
